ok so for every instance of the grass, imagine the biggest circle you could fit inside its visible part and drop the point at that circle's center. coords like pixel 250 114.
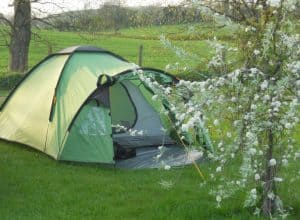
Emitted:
pixel 33 186
pixel 201 31
pixel 126 44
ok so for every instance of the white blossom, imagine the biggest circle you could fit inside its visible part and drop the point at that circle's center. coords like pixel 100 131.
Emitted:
pixel 166 184
pixel 154 97
pixel 185 127
pixel 252 151
pixel 180 117
pixel 253 191
pixel 219 169
pixel 288 125
pixel 168 67
pixel 256 52
pixel 218 198
pixel 168 90
pixel 132 132
pixel 284 162
pixel 167 167
pixel 253 107
pixel 266 98
pixel 141 132
pixel 264 85
pixel 277 179
pixel 216 122
pixel 236 123
pixel 271 195
pixel 161 147
pixel 272 162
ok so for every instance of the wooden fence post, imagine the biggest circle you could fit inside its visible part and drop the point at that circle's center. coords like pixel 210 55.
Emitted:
pixel 141 55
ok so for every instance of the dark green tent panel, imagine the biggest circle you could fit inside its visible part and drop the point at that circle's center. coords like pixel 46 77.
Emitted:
pixel 119 97
pixel 63 107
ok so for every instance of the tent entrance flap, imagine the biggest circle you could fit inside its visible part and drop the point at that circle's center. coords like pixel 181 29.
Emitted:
pixel 89 139
pixel 146 126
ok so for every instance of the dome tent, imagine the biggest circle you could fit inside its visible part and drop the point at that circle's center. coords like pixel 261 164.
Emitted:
pixel 68 104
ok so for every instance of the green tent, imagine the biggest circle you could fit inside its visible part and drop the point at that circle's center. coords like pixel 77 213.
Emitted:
pixel 71 105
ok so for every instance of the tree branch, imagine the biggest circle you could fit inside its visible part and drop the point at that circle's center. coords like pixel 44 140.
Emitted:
pixel 5 20
pixel 44 21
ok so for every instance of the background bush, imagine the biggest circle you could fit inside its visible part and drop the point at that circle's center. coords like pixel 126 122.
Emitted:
pixel 9 81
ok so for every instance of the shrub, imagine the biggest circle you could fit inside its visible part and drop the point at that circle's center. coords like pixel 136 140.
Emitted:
pixel 9 81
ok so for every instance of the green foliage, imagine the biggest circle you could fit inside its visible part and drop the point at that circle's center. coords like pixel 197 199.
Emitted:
pixel 3 94
pixel 9 81
pixel 113 16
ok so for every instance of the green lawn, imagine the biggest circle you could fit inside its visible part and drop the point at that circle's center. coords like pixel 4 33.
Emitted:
pixel 199 31
pixel 33 186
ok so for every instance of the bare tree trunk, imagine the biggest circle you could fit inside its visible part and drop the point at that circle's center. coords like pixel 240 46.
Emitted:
pixel 268 206
pixel 20 36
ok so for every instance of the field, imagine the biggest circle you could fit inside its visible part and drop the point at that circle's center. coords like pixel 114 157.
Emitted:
pixel 126 43
pixel 33 186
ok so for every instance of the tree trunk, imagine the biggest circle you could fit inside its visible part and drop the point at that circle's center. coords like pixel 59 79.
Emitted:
pixel 20 36
pixel 268 206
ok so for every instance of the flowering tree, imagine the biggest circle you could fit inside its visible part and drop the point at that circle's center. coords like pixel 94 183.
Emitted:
pixel 253 109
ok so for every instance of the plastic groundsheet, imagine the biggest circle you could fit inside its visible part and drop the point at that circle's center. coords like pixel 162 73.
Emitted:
pixel 147 157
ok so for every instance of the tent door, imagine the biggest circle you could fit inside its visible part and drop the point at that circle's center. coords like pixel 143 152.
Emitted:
pixel 89 139
pixel 146 123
